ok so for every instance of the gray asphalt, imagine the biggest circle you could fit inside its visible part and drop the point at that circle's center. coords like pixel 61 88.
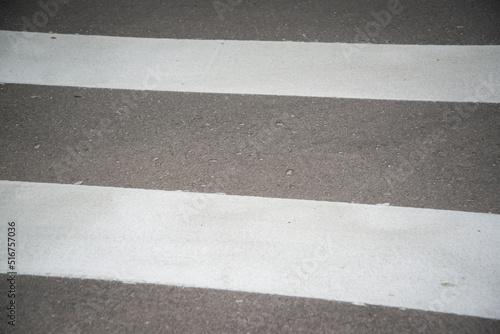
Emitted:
pixel 50 305
pixel 416 154
pixel 414 22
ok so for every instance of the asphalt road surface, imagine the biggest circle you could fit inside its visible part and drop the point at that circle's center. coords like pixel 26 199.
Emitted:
pixel 421 154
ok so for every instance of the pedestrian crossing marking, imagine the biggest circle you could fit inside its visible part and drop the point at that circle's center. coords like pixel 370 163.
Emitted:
pixel 434 260
pixel 337 70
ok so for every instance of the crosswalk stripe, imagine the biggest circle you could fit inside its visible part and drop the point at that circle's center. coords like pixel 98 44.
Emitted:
pixel 342 70
pixel 436 260
pixel 431 260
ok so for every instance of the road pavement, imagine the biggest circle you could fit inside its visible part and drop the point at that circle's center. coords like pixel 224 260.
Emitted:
pixel 420 154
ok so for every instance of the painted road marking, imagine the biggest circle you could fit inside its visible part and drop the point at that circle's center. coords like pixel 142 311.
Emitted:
pixel 423 259
pixel 363 71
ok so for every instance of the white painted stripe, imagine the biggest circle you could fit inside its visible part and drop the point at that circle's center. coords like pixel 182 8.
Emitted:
pixel 364 71
pixel 424 259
